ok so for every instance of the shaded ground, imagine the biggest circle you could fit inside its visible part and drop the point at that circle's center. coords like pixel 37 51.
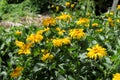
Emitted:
pixel 26 21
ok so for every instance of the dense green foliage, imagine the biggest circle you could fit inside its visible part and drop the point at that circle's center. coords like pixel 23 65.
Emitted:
pixel 59 48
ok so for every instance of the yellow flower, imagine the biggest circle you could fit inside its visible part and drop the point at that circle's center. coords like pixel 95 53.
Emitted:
pixel 58 29
pixel 72 5
pixel 35 38
pixel 118 7
pixel 47 56
pixel 64 17
pixel 49 22
pixel 76 33
pixel 95 24
pixel 66 41
pixel 96 52
pixel 111 22
pixel 60 42
pixel 46 29
pixel 18 32
pixel 57 42
pixel 116 76
pixel 24 48
pixel 61 32
pixel 16 72
pixel 20 44
pixel 67 4
pixel 82 21
pixel 57 8
pixel 24 51
pixel 40 32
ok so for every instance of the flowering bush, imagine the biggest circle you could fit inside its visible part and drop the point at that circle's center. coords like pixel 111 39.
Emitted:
pixel 66 46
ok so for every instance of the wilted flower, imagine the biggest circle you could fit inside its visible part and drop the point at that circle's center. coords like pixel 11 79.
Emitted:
pixel 96 52
pixel 49 22
pixel 16 72
pixel 24 48
pixel 116 76
pixel 76 33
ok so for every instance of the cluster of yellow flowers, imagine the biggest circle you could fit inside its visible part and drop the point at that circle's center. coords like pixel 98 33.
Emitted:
pixel 76 33
pixel 96 52
pixel 16 72
pixel 83 21
pixel 24 48
pixel 33 38
pixel 64 17
pixel 60 42
pixel 116 76
pixel 49 22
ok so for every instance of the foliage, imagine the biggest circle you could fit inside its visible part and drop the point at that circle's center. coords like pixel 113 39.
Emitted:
pixel 8 11
pixel 72 45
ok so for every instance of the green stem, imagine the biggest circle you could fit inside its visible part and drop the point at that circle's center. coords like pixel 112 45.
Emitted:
pixel 88 5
